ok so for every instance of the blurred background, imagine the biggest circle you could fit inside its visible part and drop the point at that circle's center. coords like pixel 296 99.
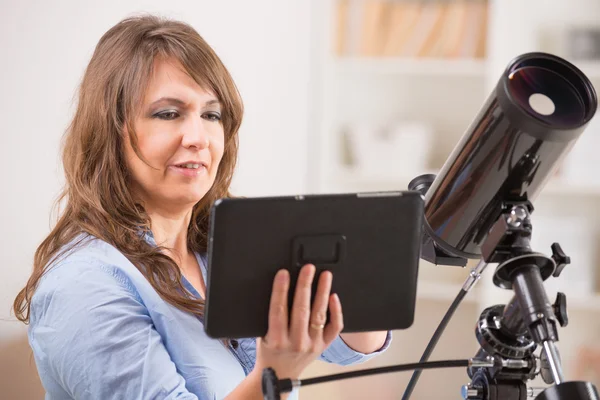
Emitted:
pixel 340 96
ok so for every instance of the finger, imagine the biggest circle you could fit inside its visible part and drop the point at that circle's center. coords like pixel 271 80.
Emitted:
pixel 278 308
pixel 336 320
pixel 301 305
pixel 318 316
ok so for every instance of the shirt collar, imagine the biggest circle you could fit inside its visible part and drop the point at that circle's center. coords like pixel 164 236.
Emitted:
pixel 147 235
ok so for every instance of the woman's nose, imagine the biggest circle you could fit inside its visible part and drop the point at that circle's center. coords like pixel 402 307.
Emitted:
pixel 195 134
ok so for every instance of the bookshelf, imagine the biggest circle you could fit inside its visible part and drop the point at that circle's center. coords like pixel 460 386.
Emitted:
pixel 372 75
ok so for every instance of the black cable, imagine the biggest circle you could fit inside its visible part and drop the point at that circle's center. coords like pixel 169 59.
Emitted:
pixel 433 342
pixel 285 385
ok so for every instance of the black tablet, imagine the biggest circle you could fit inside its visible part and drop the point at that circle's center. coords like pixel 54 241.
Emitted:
pixel 370 241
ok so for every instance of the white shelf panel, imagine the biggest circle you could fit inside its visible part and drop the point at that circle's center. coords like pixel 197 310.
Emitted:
pixel 410 67
pixel 354 181
pixel 560 188
pixel 589 303
pixel 590 68
pixel 413 67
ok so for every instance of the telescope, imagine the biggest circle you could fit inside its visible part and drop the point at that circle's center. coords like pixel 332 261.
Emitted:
pixel 480 207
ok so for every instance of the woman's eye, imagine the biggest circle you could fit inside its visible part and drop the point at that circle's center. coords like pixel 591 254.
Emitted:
pixel 212 116
pixel 167 115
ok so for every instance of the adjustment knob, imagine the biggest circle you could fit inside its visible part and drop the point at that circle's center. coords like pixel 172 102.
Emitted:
pixel 560 309
pixel 469 392
pixel 560 258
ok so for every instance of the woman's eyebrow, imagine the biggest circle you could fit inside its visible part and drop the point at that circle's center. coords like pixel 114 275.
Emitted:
pixel 213 101
pixel 170 100
pixel 179 102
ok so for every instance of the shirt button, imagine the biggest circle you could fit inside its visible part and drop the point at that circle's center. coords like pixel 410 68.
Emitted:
pixel 234 344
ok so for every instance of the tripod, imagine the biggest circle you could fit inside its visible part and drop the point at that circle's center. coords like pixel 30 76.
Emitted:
pixel 509 334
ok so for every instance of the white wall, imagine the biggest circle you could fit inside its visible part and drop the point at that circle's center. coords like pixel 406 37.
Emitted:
pixel 44 47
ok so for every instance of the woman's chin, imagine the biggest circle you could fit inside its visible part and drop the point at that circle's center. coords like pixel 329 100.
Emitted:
pixel 189 200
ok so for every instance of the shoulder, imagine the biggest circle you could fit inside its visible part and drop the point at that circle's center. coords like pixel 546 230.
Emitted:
pixel 96 328
pixel 86 250
pixel 88 271
pixel 88 255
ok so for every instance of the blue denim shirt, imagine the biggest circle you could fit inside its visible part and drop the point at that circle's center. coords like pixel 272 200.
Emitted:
pixel 99 330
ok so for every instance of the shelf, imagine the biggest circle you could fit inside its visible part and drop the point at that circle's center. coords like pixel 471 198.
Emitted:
pixel 588 303
pixel 475 68
pixel 558 188
pixel 590 68
pixel 412 67
pixel 348 180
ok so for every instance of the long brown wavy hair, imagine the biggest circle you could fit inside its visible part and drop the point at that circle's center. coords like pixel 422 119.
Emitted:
pixel 97 197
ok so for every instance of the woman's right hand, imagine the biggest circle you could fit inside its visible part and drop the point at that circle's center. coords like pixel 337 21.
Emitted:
pixel 293 341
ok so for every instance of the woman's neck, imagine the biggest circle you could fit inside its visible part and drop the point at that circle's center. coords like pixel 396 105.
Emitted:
pixel 170 231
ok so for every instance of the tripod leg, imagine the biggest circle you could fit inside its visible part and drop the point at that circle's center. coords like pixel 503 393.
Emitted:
pixel 554 362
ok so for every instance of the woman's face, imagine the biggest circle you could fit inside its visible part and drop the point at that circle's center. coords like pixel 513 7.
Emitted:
pixel 180 135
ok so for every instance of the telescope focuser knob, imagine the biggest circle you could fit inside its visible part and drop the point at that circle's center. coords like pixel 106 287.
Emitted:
pixel 560 258
pixel 560 309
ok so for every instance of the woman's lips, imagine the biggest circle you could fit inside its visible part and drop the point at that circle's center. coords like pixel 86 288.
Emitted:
pixel 190 172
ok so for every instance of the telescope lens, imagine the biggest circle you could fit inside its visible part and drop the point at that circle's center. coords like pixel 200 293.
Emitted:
pixel 547 96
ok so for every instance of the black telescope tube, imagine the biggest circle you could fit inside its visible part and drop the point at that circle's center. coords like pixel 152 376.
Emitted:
pixel 535 114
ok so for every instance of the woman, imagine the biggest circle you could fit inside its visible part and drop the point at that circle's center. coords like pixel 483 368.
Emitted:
pixel 115 301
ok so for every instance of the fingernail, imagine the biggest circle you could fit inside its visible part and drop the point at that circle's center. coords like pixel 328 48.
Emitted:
pixel 282 276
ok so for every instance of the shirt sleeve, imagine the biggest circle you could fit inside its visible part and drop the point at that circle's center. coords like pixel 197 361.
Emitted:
pixel 96 339
pixel 340 353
